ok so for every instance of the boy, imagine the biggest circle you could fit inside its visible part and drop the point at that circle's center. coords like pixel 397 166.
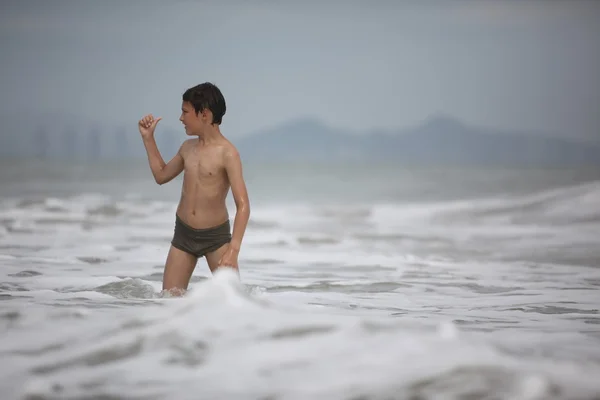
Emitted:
pixel 211 165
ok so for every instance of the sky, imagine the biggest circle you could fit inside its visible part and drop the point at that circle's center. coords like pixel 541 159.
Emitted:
pixel 356 65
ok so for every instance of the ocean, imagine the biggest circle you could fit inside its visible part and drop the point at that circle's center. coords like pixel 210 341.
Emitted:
pixel 357 282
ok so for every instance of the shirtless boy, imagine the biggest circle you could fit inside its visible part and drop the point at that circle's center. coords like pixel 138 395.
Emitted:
pixel 211 165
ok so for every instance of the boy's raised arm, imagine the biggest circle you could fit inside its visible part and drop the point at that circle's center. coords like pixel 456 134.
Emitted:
pixel 162 172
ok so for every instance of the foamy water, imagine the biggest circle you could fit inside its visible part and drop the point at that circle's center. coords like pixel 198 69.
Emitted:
pixel 495 297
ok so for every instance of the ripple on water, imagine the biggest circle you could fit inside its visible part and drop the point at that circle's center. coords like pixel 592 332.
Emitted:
pixel 12 287
pixel 93 260
pixel 479 289
pixel 324 286
pixel 25 273
pixel 127 288
pixel 96 357
pixel 553 310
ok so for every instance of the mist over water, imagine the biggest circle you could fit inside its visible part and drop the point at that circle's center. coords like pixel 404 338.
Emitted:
pixel 357 282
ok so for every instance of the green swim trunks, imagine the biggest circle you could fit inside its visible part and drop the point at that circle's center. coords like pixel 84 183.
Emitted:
pixel 198 242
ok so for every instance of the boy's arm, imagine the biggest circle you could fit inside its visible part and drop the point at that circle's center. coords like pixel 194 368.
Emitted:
pixel 162 172
pixel 233 167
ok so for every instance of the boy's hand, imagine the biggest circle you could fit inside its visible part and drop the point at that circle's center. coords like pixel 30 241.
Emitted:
pixel 147 124
pixel 230 258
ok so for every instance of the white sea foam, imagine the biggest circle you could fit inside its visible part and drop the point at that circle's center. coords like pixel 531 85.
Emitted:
pixel 450 299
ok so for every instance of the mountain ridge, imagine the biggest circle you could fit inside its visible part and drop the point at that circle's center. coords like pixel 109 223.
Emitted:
pixel 439 139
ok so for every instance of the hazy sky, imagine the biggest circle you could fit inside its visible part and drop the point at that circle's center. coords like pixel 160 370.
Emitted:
pixel 355 64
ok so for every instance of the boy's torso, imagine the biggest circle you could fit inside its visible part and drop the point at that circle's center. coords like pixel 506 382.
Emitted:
pixel 205 185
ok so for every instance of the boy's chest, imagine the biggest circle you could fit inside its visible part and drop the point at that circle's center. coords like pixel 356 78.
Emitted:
pixel 203 164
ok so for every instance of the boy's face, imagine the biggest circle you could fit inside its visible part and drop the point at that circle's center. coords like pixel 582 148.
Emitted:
pixel 195 124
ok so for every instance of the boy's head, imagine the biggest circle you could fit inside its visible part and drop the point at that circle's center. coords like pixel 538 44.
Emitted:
pixel 202 105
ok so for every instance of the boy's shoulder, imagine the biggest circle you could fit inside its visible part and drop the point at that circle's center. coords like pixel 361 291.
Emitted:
pixel 186 145
pixel 229 149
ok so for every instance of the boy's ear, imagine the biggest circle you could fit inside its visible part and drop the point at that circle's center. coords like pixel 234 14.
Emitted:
pixel 207 114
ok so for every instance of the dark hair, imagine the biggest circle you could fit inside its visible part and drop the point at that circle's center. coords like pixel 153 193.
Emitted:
pixel 207 95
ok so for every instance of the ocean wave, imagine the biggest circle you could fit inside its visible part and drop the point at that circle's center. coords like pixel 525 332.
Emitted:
pixel 448 299
pixel 564 206
pixel 221 341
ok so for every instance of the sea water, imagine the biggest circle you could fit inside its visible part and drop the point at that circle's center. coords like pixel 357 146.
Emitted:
pixel 357 282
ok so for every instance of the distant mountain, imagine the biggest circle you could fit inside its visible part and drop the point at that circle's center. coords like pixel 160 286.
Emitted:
pixel 439 140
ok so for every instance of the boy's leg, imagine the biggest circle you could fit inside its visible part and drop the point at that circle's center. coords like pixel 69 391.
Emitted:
pixel 178 270
pixel 212 258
